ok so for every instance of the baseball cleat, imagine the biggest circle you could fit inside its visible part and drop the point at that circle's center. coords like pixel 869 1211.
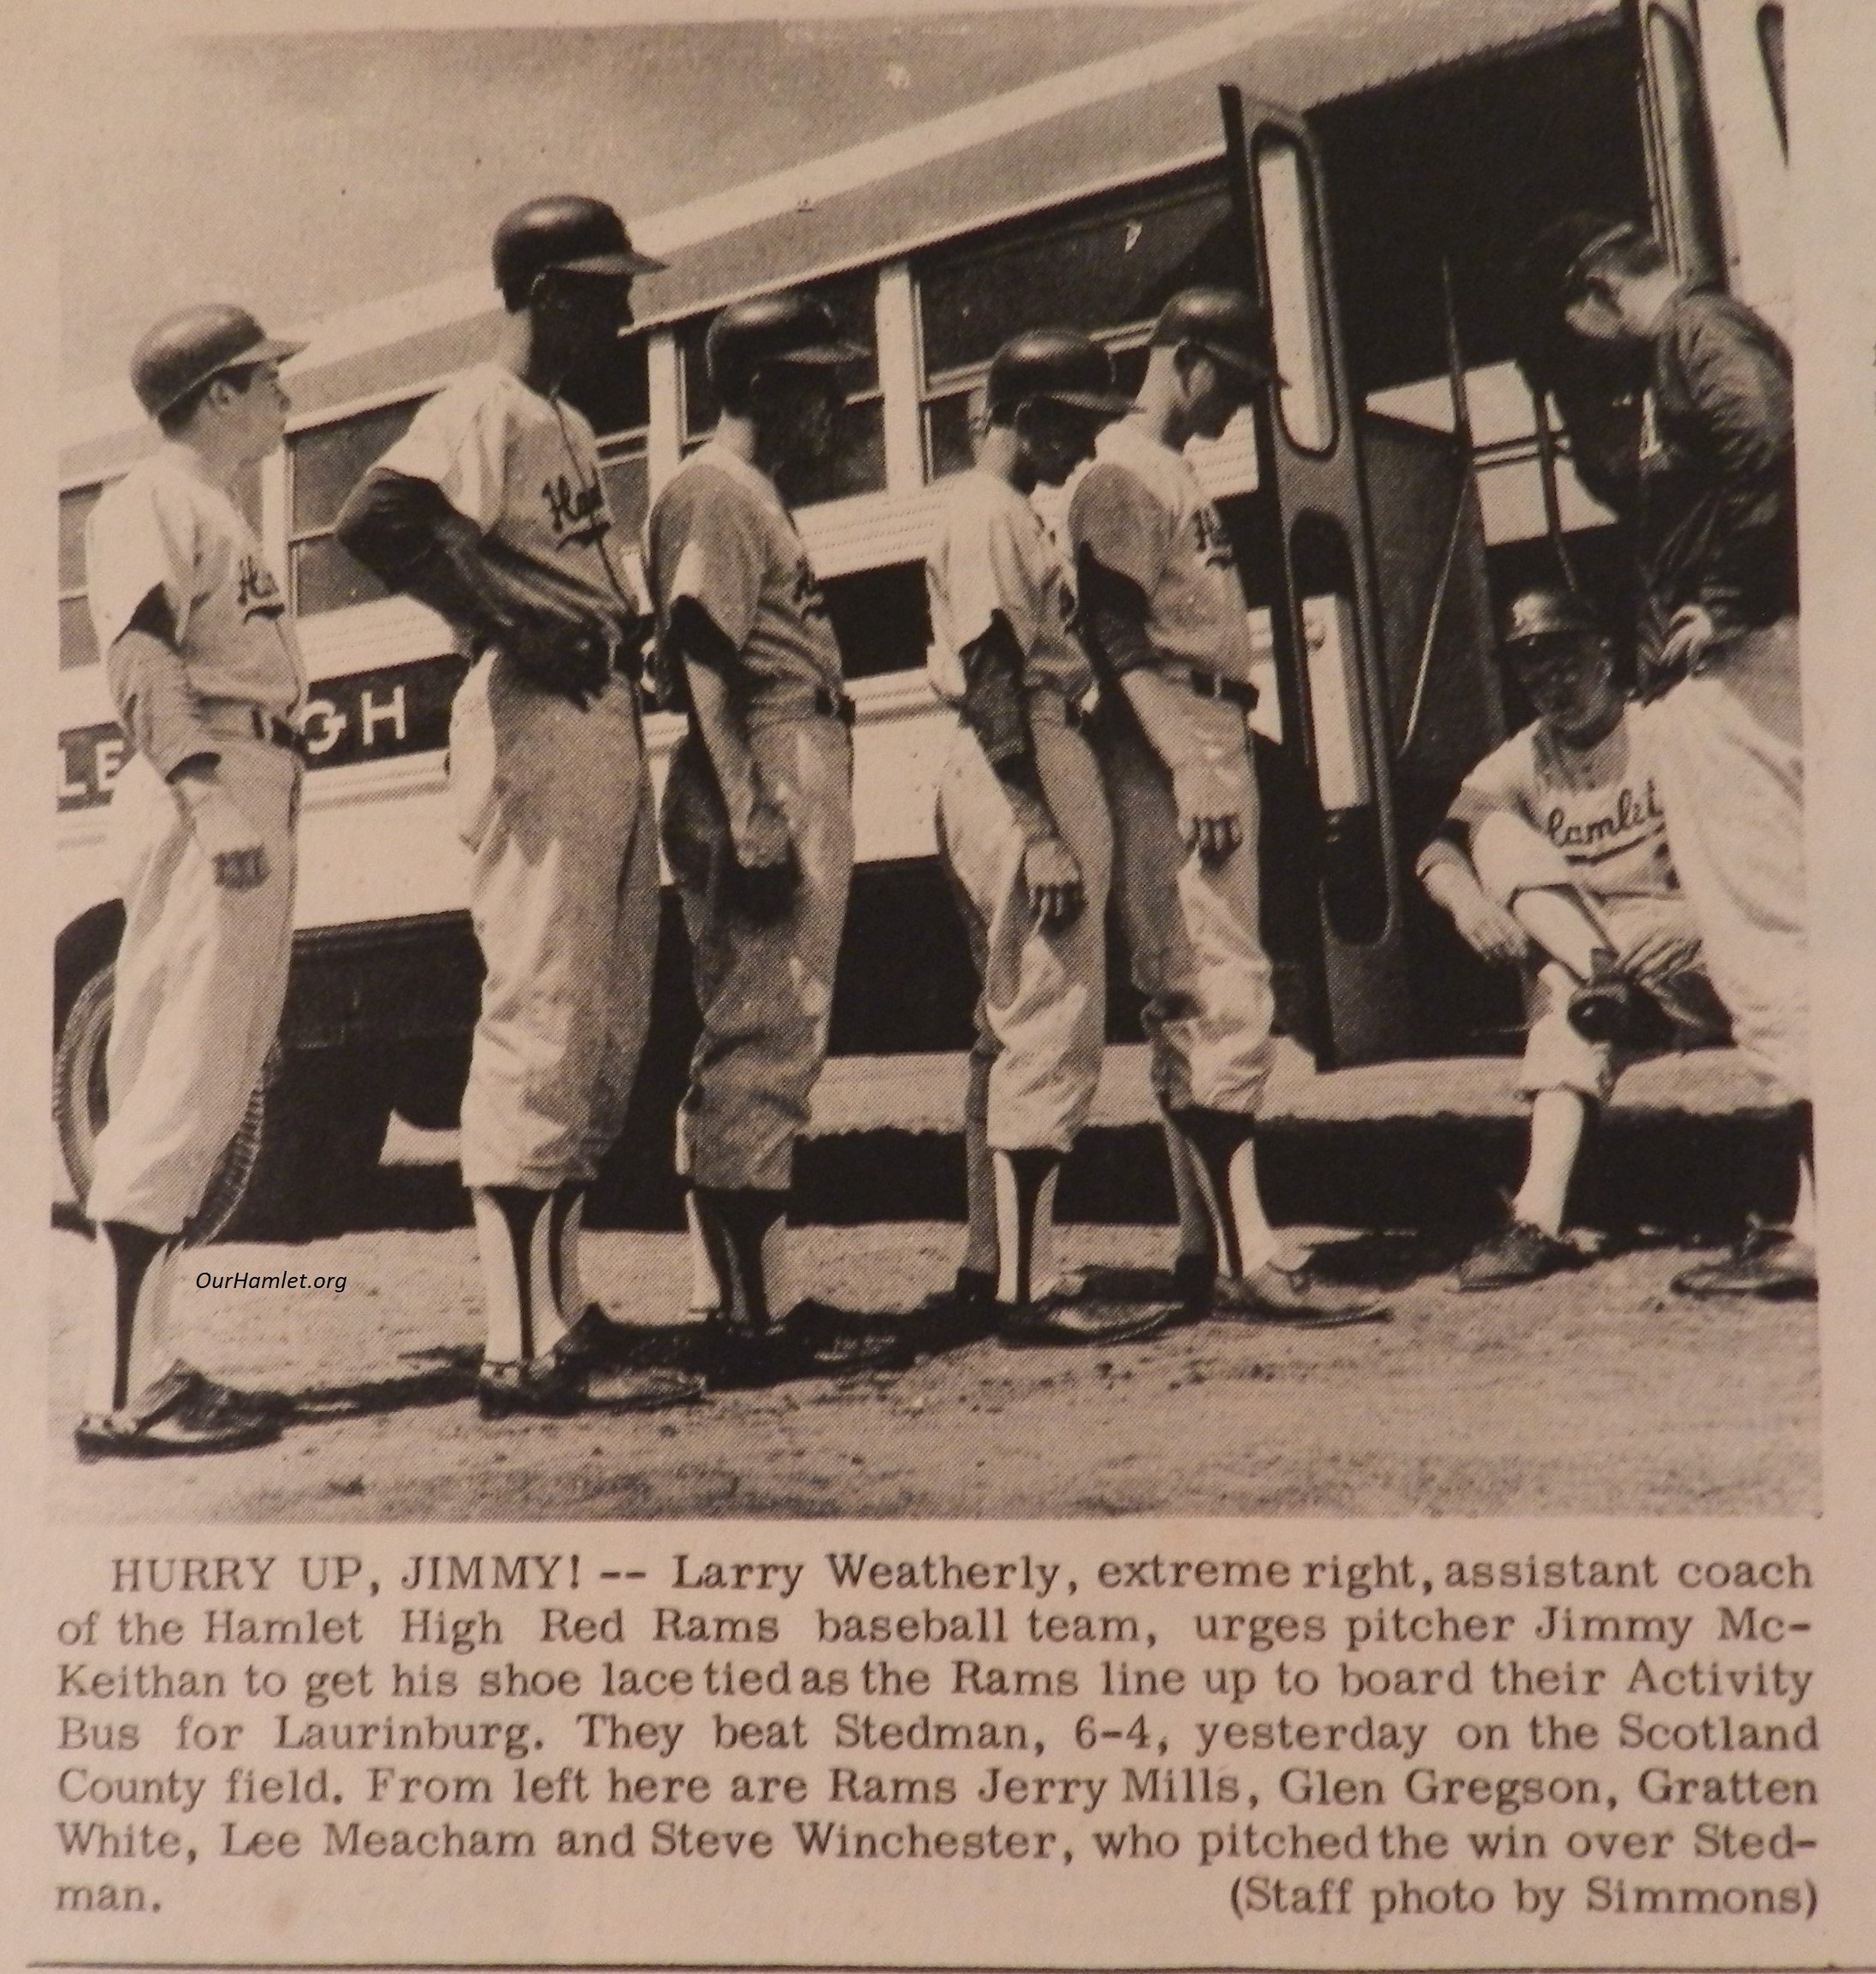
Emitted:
pixel 540 1385
pixel 182 1413
pixel 1050 1322
pixel 1518 1252
pixel 839 1343
pixel 1616 1009
pixel 1769 1262
pixel 593 1339
pixel 1293 1298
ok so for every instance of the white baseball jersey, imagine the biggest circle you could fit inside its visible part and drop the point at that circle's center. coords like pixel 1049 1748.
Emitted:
pixel 165 526
pixel 1597 807
pixel 1139 509
pixel 720 533
pixel 992 553
pixel 525 469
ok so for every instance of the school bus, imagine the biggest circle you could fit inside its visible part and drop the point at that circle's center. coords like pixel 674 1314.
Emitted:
pixel 1372 170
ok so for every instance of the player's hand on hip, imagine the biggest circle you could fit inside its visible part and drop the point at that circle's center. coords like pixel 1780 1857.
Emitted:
pixel 1052 878
pixel 1211 816
pixel 228 840
pixel 1691 637
pixel 1490 930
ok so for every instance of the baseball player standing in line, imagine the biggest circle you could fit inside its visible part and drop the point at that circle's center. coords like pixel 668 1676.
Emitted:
pixel 491 510
pixel 1554 857
pixel 1715 524
pixel 1165 610
pixel 757 810
pixel 208 682
pixel 1022 820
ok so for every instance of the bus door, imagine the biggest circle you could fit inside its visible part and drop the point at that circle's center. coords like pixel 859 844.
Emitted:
pixel 1682 173
pixel 1324 604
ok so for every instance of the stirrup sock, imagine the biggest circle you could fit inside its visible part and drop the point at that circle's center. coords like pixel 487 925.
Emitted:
pixel 134 1273
pixel 1025 1193
pixel 1224 1161
pixel 745 1233
pixel 514 1235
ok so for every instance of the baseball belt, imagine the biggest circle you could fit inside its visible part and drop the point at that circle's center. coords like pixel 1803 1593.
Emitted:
pixel 1209 685
pixel 834 705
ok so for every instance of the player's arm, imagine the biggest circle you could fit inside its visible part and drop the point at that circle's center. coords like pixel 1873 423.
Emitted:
pixel 759 832
pixel 161 718
pixel 994 711
pixel 1115 614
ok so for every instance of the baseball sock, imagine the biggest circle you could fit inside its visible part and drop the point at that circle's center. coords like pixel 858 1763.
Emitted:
pixel 1195 1234
pixel 979 1178
pixel 1025 1194
pixel 704 1292
pixel 130 1344
pixel 1223 1151
pixel 744 1230
pixel 514 1237
pixel 569 1223
pixel 1558 922
pixel 1557 1121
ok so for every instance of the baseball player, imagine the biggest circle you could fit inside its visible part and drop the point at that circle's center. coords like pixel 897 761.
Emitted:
pixel 1165 610
pixel 1554 857
pixel 491 510
pixel 1022 820
pixel 758 817
pixel 208 683
pixel 1713 509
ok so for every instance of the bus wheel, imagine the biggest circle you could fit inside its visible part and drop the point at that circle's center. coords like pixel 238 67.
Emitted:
pixel 81 1104
pixel 325 1115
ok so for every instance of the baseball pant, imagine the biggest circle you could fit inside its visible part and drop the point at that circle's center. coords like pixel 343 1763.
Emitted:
pixel 765 990
pixel 1193 928
pixel 1511 857
pixel 201 981
pixel 555 805
pixel 1729 746
pixel 1041 1012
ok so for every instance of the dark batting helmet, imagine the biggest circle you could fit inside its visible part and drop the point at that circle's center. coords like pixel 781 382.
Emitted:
pixel 1059 366
pixel 1225 324
pixel 184 350
pixel 793 327
pixel 1541 616
pixel 583 236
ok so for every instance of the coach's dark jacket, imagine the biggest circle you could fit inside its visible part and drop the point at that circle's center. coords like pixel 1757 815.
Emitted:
pixel 1715 516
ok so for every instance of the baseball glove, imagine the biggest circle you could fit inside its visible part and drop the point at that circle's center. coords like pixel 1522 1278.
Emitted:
pixel 560 655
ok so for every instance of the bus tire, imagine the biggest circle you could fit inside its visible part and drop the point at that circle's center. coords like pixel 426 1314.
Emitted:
pixel 322 1130
pixel 81 1104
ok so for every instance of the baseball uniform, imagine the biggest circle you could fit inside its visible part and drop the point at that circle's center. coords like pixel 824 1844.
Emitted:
pixel 1042 1007
pixel 202 971
pixel 1541 814
pixel 553 799
pixel 1191 927
pixel 719 536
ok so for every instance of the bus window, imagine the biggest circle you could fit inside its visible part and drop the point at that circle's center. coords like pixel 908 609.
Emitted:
pixel 1686 180
pixel 78 645
pixel 324 462
pixel 858 462
pixel 615 397
pixel 1770 23
pixel 880 619
pixel 1107 271
pixel 1291 235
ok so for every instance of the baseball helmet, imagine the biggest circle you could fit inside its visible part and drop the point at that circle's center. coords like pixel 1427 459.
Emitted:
pixel 791 327
pixel 1061 366
pixel 184 350
pixel 584 236
pixel 1537 616
pixel 1225 324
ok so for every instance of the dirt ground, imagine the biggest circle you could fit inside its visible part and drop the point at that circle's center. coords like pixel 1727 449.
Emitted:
pixel 1597 1392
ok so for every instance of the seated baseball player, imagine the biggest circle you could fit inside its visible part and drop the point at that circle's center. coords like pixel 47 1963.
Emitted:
pixel 1553 858
pixel 1023 829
